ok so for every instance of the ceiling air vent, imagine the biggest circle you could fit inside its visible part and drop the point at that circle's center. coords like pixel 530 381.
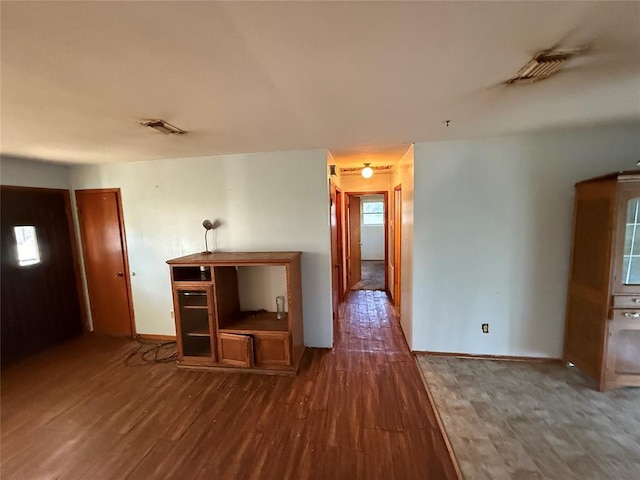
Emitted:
pixel 542 66
pixel 162 127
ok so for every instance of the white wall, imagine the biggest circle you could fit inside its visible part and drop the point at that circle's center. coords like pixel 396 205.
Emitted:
pixel 492 236
pixel 269 201
pixel 403 174
pixel 258 287
pixel 30 173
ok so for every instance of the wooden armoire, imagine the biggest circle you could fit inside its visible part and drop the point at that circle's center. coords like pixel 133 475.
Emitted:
pixel 602 331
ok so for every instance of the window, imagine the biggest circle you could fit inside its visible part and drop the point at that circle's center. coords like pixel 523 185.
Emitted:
pixel 27 242
pixel 372 213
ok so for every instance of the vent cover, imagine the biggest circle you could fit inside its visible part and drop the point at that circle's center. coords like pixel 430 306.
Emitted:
pixel 542 66
pixel 163 127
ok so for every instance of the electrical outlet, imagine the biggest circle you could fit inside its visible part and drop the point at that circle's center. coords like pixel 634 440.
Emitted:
pixel 485 328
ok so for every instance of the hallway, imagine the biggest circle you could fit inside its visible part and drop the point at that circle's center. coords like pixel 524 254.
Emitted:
pixel 357 411
pixel 372 273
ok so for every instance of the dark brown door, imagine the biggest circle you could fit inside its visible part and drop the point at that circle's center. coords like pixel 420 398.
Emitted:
pixel 104 247
pixel 355 242
pixel 397 243
pixel 40 293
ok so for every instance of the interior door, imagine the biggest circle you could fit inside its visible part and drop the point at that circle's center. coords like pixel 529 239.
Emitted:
pixel 397 243
pixel 355 242
pixel 335 261
pixel 40 302
pixel 103 244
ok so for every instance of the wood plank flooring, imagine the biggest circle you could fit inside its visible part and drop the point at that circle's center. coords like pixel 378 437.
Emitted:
pixel 357 411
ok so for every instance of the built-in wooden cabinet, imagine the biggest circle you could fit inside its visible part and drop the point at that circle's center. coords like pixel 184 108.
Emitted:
pixel 602 332
pixel 215 330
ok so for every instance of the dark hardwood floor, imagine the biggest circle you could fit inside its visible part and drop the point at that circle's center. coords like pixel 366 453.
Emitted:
pixel 357 411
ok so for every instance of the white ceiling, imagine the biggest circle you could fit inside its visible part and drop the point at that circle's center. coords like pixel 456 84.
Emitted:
pixel 77 77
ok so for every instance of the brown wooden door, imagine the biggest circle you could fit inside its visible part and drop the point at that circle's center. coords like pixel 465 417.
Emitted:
pixel 397 243
pixel 335 260
pixel 40 297
pixel 355 242
pixel 104 251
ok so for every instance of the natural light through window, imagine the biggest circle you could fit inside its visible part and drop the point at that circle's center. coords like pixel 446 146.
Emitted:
pixel 27 242
pixel 373 213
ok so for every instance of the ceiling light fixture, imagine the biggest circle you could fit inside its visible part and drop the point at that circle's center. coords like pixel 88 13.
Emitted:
pixel 163 127
pixel 367 171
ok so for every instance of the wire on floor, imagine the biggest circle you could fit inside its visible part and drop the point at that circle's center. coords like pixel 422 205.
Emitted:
pixel 149 353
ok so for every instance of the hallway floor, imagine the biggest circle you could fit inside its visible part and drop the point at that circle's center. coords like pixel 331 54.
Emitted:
pixel 357 411
pixel 372 275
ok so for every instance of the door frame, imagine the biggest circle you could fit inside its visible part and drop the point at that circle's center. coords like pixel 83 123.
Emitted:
pixel 385 199
pixel 339 245
pixel 397 246
pixel 125 251
pixel 75 249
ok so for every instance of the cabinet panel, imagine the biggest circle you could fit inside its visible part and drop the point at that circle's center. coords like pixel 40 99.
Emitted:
pixel 235 350
pixel 193 307
pixel 272 349
pixel 623 359
pixel 627 248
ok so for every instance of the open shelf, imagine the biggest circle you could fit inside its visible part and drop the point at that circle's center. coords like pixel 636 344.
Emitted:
pixel 245 322
pixel 192 274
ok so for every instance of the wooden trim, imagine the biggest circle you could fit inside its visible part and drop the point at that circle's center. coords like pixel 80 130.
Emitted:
pixel 75 250
pixel 123 241
pixel 385 194
pixel 153 336
pixel 509 358
pixel 340 234
pixel 443 431
pixel 397 250
pixel 34 189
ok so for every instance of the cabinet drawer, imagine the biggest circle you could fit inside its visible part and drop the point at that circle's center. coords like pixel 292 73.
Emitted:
pixel 272 349
pixel 630 317
pixel 626 301
pixel 235 350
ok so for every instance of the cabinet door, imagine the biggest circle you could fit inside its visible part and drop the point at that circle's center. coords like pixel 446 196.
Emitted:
pixel 623 350
pixel 235 350
pixel 193 306
pixel 627 246
pixel 272 349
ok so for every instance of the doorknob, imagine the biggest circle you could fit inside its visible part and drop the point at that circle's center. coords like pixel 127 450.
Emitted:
pixel 120 274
